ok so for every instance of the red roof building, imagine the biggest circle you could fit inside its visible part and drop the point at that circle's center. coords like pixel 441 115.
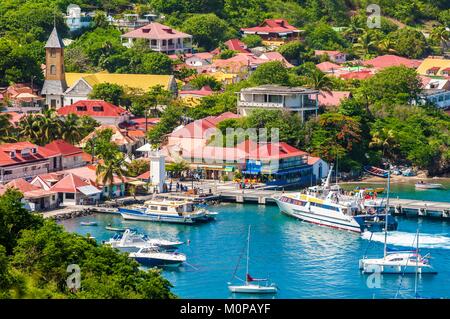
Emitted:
pixel 36 198
pixel 333 98
pixel 385 61
pixel 26 160
pixel 72 156
pixel 357 75
pixel 328 67
pixel 236 45
pixel 101 111
pixel 161 38
pixel 274 30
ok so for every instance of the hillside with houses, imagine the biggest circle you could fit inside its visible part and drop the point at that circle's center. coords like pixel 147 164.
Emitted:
pixel 85 87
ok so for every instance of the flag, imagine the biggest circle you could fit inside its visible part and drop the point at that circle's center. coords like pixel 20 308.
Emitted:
pixel 249 278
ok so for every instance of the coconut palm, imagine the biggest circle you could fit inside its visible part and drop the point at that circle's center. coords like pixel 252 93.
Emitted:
pixel 49 126
pixel 5 128
pixel 316 79
pixel 385 45
pixel 384 139
pixel 442 35
pixel 365 44
pixel 353 30
pixel 70 130
pixel 109 170
pixel 28 128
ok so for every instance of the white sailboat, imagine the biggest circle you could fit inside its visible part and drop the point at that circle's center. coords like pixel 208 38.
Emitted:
pixel 252 285
pixel 397 262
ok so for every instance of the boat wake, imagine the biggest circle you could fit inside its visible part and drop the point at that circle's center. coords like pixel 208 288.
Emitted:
pixel 405 239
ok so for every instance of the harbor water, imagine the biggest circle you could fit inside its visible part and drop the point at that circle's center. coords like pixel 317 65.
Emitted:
pixel 304 260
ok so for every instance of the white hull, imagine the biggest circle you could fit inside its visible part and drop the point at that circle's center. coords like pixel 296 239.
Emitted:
pixel 428 186
pixel 320 216
pixel 253 289
pixel 384 266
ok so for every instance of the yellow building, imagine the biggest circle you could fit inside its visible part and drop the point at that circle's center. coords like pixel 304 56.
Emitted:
pixel 434 67
pixel 81 84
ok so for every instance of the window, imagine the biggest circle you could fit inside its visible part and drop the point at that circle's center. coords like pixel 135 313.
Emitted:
pixel 70 196
pixel 275 99
pixel 53 103
pixel 81 108
pixel 53 53
pixel 164 208
pixel 53 69
pixel 98 108
pixel 153 207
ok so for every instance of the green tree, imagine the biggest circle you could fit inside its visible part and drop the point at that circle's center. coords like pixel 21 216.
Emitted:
pixel 14 218
pixel 207 30
pixel 252 40
pixel 108 92
pixel 205 80
pixel 177 168
pixel 273 72
pixel 137 167
pixel 321 36
pixel 293 51
pixel 409 43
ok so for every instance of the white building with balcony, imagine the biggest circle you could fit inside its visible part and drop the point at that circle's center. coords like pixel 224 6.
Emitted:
pixel 160 38
pixel 275 97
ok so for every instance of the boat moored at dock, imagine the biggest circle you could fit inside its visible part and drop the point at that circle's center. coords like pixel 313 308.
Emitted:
pixel 327 206
pixel 169 211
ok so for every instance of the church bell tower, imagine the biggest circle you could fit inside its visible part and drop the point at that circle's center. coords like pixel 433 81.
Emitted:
pixel 55 80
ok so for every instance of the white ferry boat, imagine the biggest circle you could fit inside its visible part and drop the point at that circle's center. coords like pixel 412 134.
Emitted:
pixel 327 206
pixel 170 211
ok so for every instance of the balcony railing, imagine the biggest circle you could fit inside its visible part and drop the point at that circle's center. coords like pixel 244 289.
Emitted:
pixel 260 104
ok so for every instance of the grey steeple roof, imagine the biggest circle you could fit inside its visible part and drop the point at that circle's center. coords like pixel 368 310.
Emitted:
pixel 54 41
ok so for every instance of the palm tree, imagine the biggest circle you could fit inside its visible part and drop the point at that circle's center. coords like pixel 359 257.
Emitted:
pixel 386 139
pixel 28 128
pixel 177 168
pixel 316 79
pixel 353 30
pixel 49 126
pixel 5 128
pixel 366 43
pixel 442 35
pixel 111 168
pixel 70 130
pixel 386 45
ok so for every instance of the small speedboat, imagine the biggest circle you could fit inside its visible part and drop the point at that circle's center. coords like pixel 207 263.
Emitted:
pixel 88 224
pixel 154 256
pixel 132 241
pixel 425 185
pixel 116 229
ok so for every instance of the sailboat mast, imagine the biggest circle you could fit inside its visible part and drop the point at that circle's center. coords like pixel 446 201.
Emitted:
pixel 387 212
pixel 417 263
pixel 248 252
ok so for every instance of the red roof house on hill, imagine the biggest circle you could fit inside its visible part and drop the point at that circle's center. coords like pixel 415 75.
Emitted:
pixel 72 156
pixel 332 98
pixel 26 160
pixel 35 197
pixel 274 30
pixel 74 190
pixel 101 111
pixel 385 61
pixel 236 45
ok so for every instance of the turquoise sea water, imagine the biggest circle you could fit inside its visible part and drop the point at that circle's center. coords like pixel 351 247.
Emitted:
pixel 304 260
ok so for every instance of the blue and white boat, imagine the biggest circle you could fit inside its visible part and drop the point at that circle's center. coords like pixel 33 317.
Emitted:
pixel 327 205
pixel 132 241
pixel 169 211
pixel 155 257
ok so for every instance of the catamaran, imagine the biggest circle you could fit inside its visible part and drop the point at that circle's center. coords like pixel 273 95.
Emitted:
pixel 170 211
pixel 326 205
pixel 397 262
pixel 132 241
pixel 252 285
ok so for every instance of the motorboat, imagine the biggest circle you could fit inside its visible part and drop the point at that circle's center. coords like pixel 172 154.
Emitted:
pixel 155 257
pixel 252 285
pixel 170 211
pixel 425 185
pixel 88 224
pixel 327 205
pixel 133 241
